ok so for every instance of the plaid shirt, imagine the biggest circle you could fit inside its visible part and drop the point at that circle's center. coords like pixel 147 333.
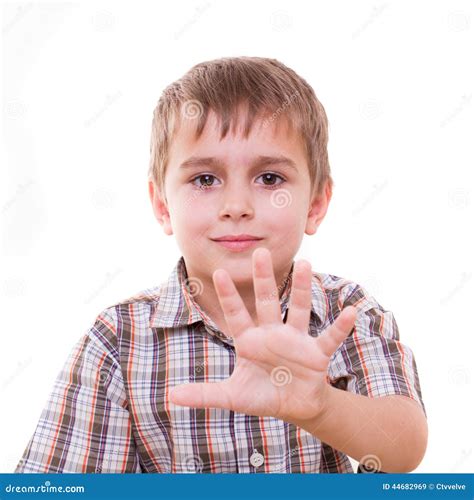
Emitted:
pixel 109 410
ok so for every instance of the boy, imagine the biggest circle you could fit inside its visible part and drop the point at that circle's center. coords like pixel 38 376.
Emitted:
pixel 281 369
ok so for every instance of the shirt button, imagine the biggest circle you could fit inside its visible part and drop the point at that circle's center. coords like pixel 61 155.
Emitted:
pixel 256 459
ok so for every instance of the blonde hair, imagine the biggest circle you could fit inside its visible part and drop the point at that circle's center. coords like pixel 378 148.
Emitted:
pixel 266 86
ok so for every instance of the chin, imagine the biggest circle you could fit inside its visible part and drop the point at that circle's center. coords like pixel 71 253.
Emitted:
pixel 238 271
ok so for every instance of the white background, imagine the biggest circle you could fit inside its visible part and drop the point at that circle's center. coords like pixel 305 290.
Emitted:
pixel 80 82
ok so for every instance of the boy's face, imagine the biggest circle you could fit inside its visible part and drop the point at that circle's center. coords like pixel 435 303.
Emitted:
pixel 230 195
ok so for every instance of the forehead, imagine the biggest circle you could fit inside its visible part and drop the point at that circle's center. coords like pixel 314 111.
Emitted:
pixel 271 137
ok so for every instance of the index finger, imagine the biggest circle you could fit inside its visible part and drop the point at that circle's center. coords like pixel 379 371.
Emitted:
pixel 236 315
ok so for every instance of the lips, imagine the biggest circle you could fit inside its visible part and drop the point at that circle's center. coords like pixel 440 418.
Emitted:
pixel 237 242
pixel 237 237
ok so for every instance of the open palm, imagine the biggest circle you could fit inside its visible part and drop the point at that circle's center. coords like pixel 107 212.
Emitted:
pixel 280 369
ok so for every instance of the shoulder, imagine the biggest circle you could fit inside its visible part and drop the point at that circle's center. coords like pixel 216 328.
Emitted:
pixel 137 308
pixel 332 293
pixel 342 292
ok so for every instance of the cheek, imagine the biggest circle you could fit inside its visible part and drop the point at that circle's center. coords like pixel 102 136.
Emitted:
pixel 193 213
pixel 283 219
pixel 283 230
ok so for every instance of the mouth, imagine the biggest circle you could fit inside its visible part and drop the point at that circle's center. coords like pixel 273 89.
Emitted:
pixel 237 243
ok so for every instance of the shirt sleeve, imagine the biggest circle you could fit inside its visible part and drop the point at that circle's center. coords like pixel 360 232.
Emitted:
pixel 372 361
pixel 85 425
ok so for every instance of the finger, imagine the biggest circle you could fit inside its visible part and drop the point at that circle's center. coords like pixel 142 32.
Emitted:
pixel 299 309
pixel 236 315
pixel 335 334
pixel 200 395
pixel 267 301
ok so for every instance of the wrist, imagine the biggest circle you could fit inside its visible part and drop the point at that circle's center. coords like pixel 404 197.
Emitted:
pixel 326 403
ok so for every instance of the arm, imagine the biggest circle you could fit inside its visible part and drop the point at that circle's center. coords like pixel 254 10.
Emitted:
pixel 390 432
pixel 379 418
pixel 85 425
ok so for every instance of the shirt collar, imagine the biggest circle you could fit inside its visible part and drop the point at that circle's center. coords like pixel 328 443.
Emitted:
pixel 176 306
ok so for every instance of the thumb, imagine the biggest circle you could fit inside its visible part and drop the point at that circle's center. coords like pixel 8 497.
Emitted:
pixel 200 395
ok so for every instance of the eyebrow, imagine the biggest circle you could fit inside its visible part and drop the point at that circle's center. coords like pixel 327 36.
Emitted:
pixel 259 161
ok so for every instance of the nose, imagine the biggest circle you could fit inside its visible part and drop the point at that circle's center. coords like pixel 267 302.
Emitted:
pixel 236 204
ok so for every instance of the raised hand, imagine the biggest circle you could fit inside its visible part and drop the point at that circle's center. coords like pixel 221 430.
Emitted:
pixel 280 369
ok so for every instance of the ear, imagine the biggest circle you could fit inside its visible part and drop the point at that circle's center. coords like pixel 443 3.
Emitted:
pixel 317 209
pixel 160 207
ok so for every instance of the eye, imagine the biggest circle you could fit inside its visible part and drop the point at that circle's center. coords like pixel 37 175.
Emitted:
pixel 268 177
pixel 207 180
